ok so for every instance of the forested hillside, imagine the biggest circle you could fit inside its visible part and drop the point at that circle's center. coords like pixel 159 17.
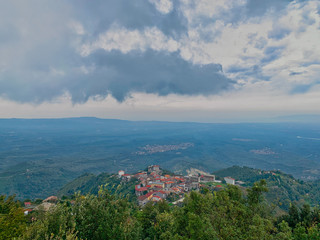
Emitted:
pixel 225 215
pixel 283 188
pixel 90 184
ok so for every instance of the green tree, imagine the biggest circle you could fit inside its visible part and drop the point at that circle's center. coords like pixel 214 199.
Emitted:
pixel 12 220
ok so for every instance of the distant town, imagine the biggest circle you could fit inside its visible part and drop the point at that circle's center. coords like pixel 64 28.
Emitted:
pixel 152 149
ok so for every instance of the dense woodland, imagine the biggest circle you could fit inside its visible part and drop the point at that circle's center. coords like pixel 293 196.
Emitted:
pixel 227 214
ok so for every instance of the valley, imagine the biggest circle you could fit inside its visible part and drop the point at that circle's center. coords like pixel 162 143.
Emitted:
pixel 38 157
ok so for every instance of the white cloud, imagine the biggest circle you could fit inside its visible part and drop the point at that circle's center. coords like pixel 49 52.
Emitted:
pixel 195 9
pixel 247 44
pixel 124 40
pixel 163 6
pixel 77 27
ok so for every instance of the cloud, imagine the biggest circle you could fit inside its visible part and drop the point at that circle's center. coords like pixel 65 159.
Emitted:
pixel 124 40
pixel 163 6
pixel 153 72
pixel 99 15
pixel 92 49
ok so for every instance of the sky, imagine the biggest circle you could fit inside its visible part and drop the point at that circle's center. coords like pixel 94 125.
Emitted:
pixel 167 60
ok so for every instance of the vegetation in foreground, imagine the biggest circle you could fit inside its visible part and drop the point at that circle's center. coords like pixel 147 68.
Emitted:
pixel 227 214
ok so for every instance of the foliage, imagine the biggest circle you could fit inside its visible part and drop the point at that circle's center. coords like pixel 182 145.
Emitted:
pixel 12 221
pixel 90 184
pixel 228 214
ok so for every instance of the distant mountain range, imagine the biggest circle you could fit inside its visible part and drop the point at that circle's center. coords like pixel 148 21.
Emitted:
pixel 39 156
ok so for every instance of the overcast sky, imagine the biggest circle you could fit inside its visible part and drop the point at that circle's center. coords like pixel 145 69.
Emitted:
pixel 174 60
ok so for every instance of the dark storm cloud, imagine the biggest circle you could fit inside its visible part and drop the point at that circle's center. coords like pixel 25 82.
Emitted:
pixel 45 64
pixel 121 74
pixel 154 72
pixel 39 60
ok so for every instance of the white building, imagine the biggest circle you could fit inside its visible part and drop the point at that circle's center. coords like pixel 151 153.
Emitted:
pixel 230 180
pixel 121 173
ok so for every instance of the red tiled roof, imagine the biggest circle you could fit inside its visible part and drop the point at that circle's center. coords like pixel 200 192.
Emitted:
pixel 219 186
pixel 141 198
pixel 51 198
pixel 126 175
pixel 148 194
pixel 140 173
pixel 142 189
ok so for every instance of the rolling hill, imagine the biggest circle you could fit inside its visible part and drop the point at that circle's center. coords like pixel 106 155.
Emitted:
pixel 39 156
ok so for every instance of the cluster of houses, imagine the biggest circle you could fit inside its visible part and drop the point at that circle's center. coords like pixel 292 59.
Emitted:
pixel 45 205
pixel 155 186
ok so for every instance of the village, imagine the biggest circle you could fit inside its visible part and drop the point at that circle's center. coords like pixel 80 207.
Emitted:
pixel 154 185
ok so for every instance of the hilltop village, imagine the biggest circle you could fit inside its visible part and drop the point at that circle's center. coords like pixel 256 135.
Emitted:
pixel 154 185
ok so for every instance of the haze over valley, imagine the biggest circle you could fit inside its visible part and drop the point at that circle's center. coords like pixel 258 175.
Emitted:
pixel 39 156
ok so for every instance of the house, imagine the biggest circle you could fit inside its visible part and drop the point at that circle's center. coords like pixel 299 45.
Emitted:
pixel 27 204
pixel 27 211
pixel 154 168
pixel 161 194
pixel 145 198
pixel 156 198
pixel 191 179
pixel 121 173
pixel 126 177
pixel 230 180
pixel 141 175
pixel 207 178
pixel 156 184
pixel 140 190
pixel 45 206
pixel 51 199
pixel 240 182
